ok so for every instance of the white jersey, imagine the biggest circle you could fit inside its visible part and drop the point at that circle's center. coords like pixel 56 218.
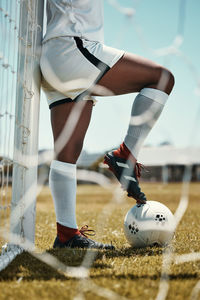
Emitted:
pixel 81 18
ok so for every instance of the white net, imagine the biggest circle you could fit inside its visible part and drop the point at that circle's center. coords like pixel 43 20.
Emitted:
pixel 8 70
pixel 9 18
pixel 20 84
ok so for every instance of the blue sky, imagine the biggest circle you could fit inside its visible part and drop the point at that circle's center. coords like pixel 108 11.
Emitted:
pixel 154 26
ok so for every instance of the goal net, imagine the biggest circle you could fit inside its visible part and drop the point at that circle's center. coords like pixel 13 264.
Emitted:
pixel 21 34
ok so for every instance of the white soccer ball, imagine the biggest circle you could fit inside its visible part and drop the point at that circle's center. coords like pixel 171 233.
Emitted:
pixel 149 224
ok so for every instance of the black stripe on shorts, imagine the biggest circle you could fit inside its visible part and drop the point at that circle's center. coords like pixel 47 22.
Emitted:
pixel 66 100
pixel 93 59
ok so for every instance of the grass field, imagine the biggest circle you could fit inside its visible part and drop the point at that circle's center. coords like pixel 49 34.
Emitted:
pixel 123 273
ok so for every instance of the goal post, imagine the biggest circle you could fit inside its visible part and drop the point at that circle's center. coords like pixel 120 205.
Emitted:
pixel 25 154
pixel 27 121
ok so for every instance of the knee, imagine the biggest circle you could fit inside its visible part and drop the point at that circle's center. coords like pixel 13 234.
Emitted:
pixel 166 80
pixel 170 80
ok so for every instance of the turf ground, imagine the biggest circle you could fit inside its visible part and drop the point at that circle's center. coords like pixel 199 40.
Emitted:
pixel 125 272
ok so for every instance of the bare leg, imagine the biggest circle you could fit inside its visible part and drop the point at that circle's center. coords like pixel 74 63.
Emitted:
pixel 132 73
pixel 59 116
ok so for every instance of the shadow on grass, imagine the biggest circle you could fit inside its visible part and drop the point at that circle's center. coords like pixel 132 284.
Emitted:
pixel 29 268
pixel 129 252
pixel 129 276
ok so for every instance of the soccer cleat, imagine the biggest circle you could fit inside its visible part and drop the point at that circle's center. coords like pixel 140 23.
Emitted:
pixel 127 174
pixel 82 241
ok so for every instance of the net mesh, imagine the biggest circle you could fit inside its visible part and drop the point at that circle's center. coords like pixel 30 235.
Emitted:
pixel 9 16
pixel 20 81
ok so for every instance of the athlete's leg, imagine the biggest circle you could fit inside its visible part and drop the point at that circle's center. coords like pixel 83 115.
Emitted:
pixel 154 83
pixel 69 124
pixel 62 177
pixel 80 114
pixel 133 74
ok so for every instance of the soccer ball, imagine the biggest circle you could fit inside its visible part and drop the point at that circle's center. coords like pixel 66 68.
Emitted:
pixel 149 224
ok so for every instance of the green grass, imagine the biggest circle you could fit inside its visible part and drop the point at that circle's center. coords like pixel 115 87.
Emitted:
pixel 134 274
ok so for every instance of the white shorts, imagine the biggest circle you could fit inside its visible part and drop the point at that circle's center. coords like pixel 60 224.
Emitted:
pixel 72 66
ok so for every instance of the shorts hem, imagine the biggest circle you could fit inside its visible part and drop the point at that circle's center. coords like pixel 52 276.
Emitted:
pixel 116 59
pixel 69 100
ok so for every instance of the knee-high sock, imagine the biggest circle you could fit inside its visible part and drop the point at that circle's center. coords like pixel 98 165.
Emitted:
pixel 146 109
pixel 62 181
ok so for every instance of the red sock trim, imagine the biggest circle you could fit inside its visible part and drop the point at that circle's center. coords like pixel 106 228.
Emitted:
pixel 124 152
pixel 66 233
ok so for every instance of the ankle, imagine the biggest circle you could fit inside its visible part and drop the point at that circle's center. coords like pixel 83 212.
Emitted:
pixel 124 152
pixel 65 233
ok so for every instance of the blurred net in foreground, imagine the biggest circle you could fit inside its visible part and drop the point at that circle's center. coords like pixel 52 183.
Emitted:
pixel 21 25
pixel 7 157
pixel 9 16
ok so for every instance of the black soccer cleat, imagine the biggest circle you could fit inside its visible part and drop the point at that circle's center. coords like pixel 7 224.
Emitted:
pixel 127 174
pixel 80 241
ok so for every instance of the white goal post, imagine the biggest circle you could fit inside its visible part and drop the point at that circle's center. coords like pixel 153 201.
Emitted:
pixel 25 154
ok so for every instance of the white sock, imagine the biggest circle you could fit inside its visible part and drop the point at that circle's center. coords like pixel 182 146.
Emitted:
pixel 146 109
pixel 62 181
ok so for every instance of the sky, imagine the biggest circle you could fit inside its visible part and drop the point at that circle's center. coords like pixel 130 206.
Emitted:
pixel 155 26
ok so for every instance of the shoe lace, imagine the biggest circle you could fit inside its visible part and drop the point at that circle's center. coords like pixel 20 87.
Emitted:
pixel 86 232
pixel 138 169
